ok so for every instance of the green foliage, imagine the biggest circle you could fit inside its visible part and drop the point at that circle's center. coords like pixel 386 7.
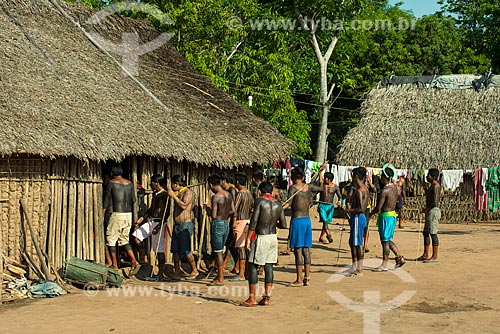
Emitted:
pixel 278 66
pixel 480 20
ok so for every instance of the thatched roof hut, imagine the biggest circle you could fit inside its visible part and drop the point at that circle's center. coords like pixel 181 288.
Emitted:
pixel 67 108
pixel 445 122
pixel 448 122
pixel 63 97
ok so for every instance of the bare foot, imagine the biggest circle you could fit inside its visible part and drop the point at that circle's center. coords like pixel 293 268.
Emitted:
pixel 193 275
pixel 381 269
pixel 249 303
pixel 295 284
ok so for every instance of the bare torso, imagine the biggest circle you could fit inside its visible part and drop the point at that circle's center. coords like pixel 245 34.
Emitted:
pixel 389 196
pixel 119 196
pixel 221 205
pixel 329 192
pixel 265 216
pixel 183 212
pixel 301 200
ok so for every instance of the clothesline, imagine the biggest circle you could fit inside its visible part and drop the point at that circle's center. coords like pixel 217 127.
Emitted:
pixel 486 181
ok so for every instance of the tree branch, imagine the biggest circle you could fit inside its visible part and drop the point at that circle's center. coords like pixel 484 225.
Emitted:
pixel 330 92
pixel 331 47
pixel 317 50
pixel 235 49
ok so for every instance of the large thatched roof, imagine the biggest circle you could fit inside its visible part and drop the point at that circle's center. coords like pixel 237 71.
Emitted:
pixel 425 126
pixel 61 96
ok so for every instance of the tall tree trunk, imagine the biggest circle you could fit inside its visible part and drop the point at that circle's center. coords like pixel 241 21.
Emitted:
pixel 325 110
pixel 325 95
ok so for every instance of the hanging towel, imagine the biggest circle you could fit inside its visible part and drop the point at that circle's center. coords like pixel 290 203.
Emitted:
pixel 344 173
pixel 484 179
pixel 334 170
pixel 480 193
pixel 452 178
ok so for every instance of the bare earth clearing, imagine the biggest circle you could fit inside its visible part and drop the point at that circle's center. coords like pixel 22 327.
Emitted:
pixel 460 294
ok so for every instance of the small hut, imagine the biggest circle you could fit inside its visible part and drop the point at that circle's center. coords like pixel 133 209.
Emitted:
pixel 445 122
pixel 67 109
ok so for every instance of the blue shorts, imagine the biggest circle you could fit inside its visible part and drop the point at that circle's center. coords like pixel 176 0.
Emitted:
pixel 181 238
pixel 300 235
pixel 219 230
pixel 357 224
pixel 325 212
pixel 386 227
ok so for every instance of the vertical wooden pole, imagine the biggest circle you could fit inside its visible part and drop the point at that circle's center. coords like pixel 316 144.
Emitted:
pixel 135 210
pixel 1 258
pixel 64 221
pixel 70 231
pixel 79 215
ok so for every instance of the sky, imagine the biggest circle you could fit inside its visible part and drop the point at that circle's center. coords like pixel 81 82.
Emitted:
pixel 419 7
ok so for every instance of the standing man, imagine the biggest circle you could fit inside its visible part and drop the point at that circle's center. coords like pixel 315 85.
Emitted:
pixel 400 183
pixel 262 242
pixel 152 223
pixel 386 205
pixel 228 185
pixel 300 226
pixel 183 226
pixel 257 178
pixel 326 206
pixel 220 211
pixel 432 216
pixel 242 213
pixel 357 219
pixel 119 200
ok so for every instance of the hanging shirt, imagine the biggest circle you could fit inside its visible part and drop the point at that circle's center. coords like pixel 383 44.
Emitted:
pixel 451 179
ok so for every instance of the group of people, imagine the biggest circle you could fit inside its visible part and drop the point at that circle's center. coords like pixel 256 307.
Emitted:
pixel 245 222
pixel 121 231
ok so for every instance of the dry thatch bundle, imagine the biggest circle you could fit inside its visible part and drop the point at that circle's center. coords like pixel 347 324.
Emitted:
pixel 61 96
pixel 426 127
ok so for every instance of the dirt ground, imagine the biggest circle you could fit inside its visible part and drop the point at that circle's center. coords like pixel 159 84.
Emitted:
pixel 457 295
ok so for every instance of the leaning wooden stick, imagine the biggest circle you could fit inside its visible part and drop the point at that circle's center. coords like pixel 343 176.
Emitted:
pixel 159 239
pixel 45 270
pixel 202 237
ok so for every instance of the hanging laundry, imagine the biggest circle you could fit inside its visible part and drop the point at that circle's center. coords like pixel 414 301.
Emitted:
pixel 296 162
pixel 480 192
pixel 451 179
pixel 493 185
pixel 334 170
pixel 312 167
pixel 344 174
pixel 484 179
pixel 278 164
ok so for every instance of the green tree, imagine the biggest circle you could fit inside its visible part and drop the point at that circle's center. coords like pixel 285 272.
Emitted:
pixel 481 19
pixel 215 36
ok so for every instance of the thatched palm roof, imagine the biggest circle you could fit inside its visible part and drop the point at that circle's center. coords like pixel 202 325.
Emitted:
pixel 61 96
pixel 424 126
